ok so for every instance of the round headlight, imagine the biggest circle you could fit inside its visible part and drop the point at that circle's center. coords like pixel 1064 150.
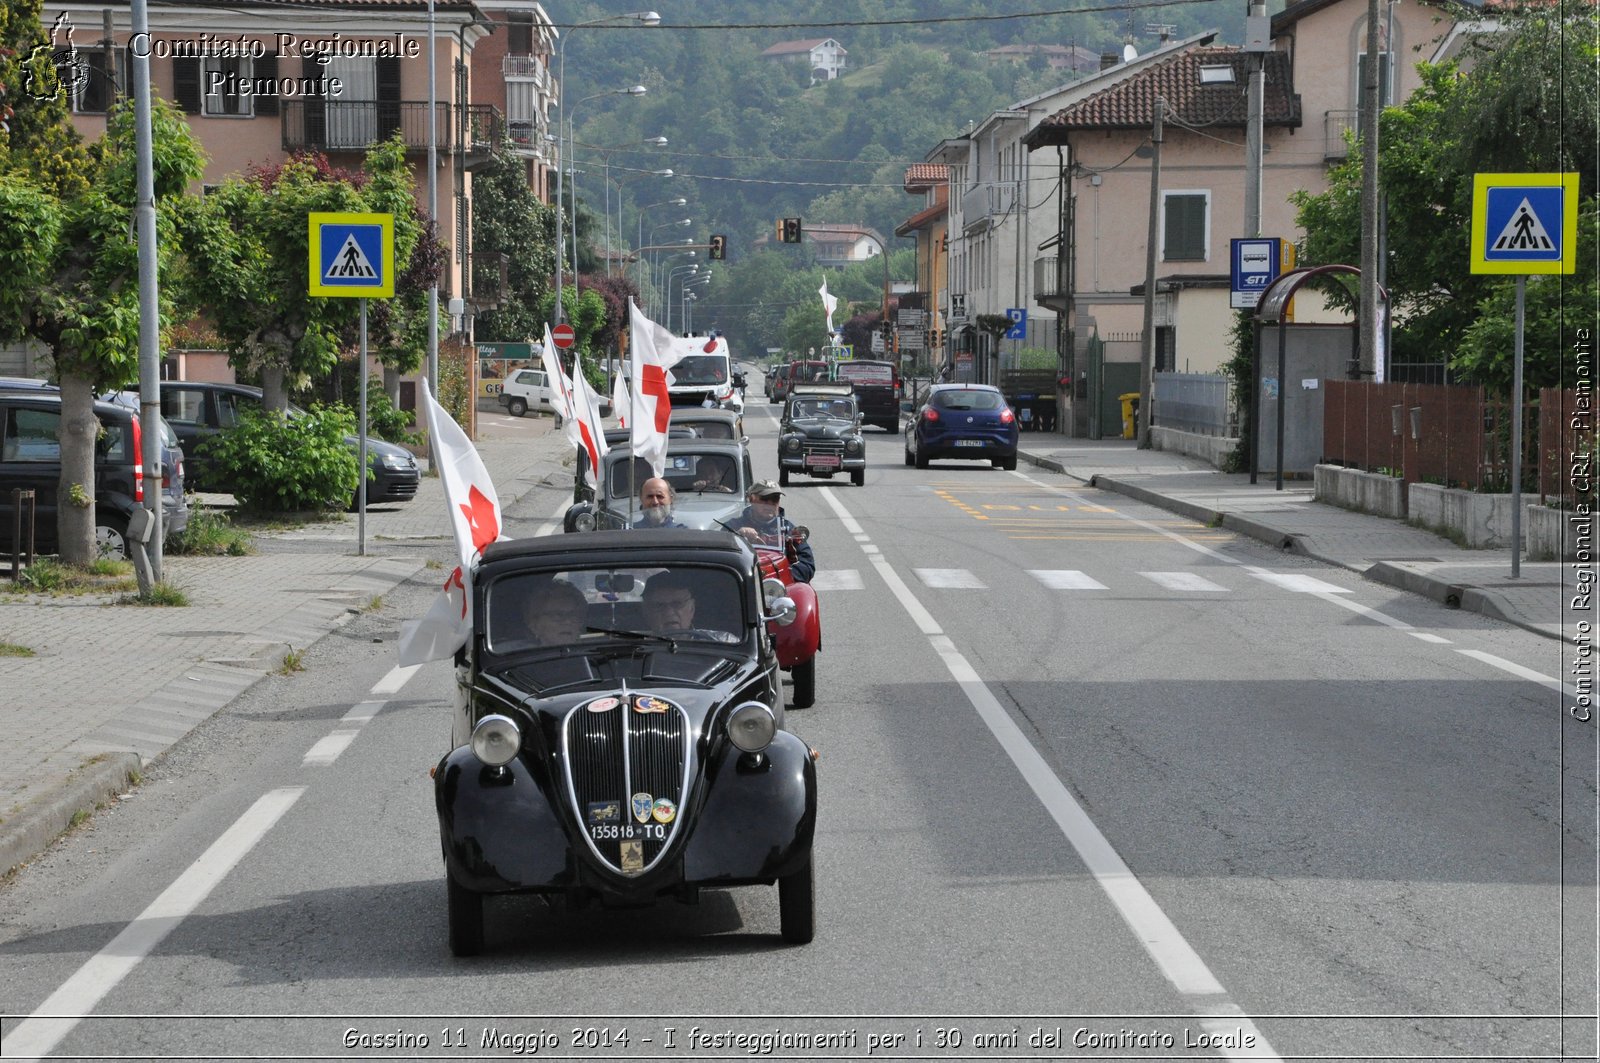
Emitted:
pixel 751 727
pixel 852 445
pixel 496 740
pixel 584 521
pixel 792 444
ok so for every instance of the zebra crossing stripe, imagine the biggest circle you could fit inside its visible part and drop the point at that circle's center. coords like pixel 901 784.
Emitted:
pixel 1066 579
pixel 958 578
pixel 1182 581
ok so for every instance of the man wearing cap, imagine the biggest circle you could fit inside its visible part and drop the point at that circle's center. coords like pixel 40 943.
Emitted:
pixel 763 522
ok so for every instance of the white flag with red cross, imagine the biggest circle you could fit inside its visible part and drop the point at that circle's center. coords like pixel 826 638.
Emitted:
pixel 652 352
pixel 591 431
pixel 474 510
pixel 561 386
pixel 830 303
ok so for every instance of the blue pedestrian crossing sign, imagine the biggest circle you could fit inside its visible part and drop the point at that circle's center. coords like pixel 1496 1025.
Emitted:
pixel 352 255
pixel 1524 223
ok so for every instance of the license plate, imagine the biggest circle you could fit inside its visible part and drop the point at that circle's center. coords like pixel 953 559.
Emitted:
pixel 828 461
pixel 969 442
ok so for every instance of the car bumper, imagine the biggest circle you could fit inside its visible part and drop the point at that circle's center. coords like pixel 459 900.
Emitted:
pixel 393 485
pixel 957 446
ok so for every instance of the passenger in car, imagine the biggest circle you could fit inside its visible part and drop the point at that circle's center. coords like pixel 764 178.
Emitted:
pixel 716 474
pixel 556 612
pixel 656 497
pixel 669 607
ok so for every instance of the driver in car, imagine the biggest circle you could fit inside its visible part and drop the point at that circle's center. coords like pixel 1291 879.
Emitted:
pixel 556 612
pixel 763 523
pixel 669 607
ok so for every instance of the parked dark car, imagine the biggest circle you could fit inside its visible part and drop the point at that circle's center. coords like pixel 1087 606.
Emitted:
pixel 820 434
pixel 600 754
pixel 198 411
pixel 710 476
pixel 30 458
pixel 963 421
pixel 877 388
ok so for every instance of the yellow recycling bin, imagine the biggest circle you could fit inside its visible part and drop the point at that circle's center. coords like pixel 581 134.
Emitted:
pixel 1130 412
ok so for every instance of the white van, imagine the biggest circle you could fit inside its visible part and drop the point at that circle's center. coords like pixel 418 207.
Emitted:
pixel 527 389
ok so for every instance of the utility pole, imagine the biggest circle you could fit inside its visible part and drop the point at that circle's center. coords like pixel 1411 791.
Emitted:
pixel 1257 41
pixel 1147 352
pixel 1369 356
pixel 149 305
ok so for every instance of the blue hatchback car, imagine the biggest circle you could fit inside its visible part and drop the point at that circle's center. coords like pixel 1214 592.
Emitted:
pixel 963 421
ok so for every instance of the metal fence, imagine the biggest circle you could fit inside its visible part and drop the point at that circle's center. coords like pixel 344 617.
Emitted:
pixel 1194 402
pixel 1459 436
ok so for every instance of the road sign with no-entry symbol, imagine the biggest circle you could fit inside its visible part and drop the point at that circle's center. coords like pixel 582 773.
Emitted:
pixel 352 255
pixel 1524 223
pixel 563 336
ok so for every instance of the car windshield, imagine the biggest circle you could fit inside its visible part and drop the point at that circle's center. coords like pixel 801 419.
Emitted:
pixel 962 399
pixel 700 369
pixel 837 408
pixel 591 607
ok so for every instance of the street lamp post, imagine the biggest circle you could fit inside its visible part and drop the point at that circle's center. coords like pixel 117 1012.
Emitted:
pixel 678 201
pixel 620 182
pixel 655 273
pixel 644 18
pixel 686 271
pixel 605 155
pixel 636 90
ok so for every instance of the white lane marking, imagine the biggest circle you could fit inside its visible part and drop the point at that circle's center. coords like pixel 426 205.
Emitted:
pixel 1365 610
pixel 1066 579
pixel 1515 669
pixel 76 998
pixel 1294 581
pixel 328 748
pixel 841 579
pixel 1180 963
pixel 950 578
pixel 554 524
pixel 398 677
pixel 1182 581
pixel 851 525
pixel 1426 637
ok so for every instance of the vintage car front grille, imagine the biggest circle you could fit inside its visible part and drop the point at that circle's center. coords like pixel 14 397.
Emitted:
pixel 636 750
pixel 818 446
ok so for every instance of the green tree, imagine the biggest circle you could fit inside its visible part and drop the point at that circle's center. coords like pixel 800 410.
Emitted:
pixel 507 217
pixel 250 242
pixel 1524 102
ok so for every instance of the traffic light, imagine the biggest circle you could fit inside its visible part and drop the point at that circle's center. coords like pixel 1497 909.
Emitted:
pixel 719 247
pixel 789 230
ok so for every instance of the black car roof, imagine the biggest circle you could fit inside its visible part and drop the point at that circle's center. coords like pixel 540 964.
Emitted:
pixel 51 396
pixel 684 445
pixel 701 413
pixel 574 548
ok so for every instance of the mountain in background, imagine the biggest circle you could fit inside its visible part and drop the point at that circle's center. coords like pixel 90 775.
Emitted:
pixel 751 139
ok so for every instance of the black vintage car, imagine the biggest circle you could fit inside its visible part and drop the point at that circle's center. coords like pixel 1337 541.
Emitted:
pixel 710 476
pixel 619 731
pixel 820 433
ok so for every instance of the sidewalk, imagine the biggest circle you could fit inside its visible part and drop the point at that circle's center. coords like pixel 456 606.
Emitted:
pixel 72 733
pixel 1380 549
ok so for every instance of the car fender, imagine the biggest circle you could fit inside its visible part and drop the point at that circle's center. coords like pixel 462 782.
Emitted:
pixel 759 815
pixel 498 828
pixel 799 641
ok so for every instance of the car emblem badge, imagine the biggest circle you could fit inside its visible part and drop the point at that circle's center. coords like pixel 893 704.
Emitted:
pixel 603 704
pixel 604 812
pixel 632 856
pixel 969 420
pixel 664 811
pixel 641 807
pixel 646 703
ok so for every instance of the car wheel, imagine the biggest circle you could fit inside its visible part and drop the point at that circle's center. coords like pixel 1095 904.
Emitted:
pixel 111 537
pixel 466 918
pixel 1009 464
pixel 858 477
pixel 517 407
pixel 805 684
pixel 797 910
pixel 783 477
pixel 910 458
pixel 922 458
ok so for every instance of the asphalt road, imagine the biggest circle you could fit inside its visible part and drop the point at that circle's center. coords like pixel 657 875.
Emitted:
pixel 1084 765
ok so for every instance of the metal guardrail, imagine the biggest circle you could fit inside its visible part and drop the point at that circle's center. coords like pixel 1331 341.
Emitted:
pixel 1194 402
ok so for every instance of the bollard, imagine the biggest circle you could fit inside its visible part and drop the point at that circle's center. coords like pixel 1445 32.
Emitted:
pixel 18 550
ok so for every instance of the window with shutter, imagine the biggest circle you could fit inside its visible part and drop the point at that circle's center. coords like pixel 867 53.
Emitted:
pixel 96 89
pixel 220 79
pixel 1184 226
pixel 266 73
pixel 186 83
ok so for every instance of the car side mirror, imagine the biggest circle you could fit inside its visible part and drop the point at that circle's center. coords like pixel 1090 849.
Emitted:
pixel 783 611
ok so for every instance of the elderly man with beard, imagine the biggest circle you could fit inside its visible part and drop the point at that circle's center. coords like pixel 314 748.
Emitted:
pixel 656 497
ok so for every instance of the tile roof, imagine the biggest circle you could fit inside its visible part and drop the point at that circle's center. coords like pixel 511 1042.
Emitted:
pixel 921 175
pixel 1130 104
pixel 922 219
pixel 792 47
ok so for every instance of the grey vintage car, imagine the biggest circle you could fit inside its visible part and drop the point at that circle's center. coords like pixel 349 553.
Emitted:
pixel 820 433
pixel 710 476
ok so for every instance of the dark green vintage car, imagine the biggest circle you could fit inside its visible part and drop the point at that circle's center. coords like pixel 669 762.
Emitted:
pixel 820 434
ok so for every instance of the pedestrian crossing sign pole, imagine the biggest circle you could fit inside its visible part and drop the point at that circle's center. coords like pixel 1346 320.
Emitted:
pixel 1523 223
pixel 352 257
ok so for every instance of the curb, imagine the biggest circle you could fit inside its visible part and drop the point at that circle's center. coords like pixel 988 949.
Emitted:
pixel 36 826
